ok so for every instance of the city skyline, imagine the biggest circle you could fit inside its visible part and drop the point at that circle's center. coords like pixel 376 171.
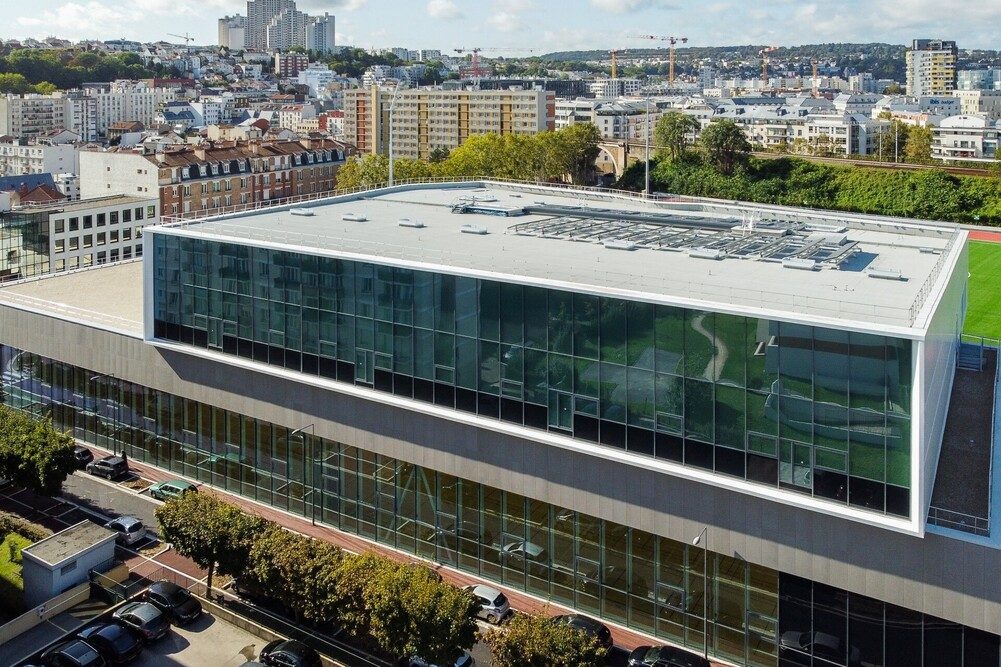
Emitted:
pixel 586 24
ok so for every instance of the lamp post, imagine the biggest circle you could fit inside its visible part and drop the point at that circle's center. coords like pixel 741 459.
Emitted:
pixel 703 538
pixel 301 431
pixel 646 181
pixel 392 106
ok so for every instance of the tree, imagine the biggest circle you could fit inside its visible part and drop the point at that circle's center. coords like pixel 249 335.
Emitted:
pixel 671 134
pixel 33 454
pixel 725 145
pixel 893 89
pixel 350 582
pixel 535 641
pixel 414 613
pixel 891 141
pixel 212 533
pixel 297 571
pixel 578 144
pixel 918 147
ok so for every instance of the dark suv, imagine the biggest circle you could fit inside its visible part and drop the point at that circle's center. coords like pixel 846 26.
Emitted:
pixel 109 467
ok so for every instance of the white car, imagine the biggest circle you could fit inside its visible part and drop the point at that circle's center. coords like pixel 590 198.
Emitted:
pixel 494 605
pixel 465 660
pixel 130 529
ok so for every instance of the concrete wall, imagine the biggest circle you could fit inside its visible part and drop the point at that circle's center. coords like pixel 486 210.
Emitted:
pixel 934 574
pixel 103 174
pixel 41 582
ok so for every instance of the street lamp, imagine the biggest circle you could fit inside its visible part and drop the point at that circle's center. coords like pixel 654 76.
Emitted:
pixel 392 106
pixel 646 187
pixel 703 538
pixel 312 466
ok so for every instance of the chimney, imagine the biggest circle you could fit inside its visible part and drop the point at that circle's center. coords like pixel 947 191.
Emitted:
pixel 199 152
pixel 255 146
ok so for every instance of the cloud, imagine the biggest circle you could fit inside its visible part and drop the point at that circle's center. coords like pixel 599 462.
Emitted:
pixel 508 15
pixel 629 6
pixel 445 10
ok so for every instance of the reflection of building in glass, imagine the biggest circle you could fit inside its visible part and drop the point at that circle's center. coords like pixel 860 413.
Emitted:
pixel 556 393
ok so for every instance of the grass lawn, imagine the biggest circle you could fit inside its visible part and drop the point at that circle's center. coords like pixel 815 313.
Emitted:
pixel 11 585
pixel 983 315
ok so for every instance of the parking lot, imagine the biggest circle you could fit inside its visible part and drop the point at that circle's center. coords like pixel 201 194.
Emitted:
pixel 207 641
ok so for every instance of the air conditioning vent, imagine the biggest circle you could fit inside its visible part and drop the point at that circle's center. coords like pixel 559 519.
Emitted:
pixel 707 253
pixel 886 274
pixel 305 212
pixel 354 217
pixel 473 229
pixel 799 263
pixel 619 245
pixel 410 222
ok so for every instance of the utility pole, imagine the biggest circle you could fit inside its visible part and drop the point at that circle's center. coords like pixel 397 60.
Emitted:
pixel 646 188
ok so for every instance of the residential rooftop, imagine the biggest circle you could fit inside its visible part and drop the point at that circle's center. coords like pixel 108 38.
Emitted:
pixel 771 261
pixel 68 543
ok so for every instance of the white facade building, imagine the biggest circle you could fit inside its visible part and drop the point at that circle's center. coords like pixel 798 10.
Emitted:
pixel 18 158
pixel 321 35
pixel 980 102
pixel 233 32
pixel 965 138
pixel 931 67
pixel 128 101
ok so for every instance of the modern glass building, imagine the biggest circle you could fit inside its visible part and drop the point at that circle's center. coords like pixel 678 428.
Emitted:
pixel 558 392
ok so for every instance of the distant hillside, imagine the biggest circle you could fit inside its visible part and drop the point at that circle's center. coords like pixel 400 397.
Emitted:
pixel 823 51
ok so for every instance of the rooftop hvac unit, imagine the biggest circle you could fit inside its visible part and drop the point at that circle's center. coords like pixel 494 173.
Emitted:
pixel 473 229
pixel 619 245
pixel 799 263
pixel 354 217
pixel 305 212
pixel 886 274
pixel 409 222
pixel 929 251
pixel 707 253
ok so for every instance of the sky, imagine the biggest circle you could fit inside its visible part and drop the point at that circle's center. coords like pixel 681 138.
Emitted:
pixel 541 25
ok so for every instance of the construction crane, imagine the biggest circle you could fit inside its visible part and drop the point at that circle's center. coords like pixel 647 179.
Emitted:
pixel 764 61
pixel 186 37
pixel 671 40
pixel 476 69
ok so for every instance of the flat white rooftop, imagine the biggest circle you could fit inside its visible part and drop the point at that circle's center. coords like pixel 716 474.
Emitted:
pixel 874 273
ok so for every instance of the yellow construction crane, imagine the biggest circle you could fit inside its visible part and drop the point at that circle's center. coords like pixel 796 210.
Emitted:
pixel 186 37
pixel 671 40
pixel 764 61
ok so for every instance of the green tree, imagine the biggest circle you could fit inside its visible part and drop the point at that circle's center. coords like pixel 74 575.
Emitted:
pixel 578 144
pixel 414 613
pixel 725 145
pixel 891 141
pixel 351 580
pixel 297 571
pixel 535 641
pixel 918 147
pixel 212 533
pixel 893 89
pixel 672 132
pixel 33 454
pixel 14 83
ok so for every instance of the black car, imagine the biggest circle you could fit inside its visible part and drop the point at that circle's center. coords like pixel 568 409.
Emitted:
pixel 665 656
pixel 116 643
pixel 82 456
pixel 168 597
pixel 588 626
pixel 289 653
pixel 144 618
pixel 73 653
pixel 109 467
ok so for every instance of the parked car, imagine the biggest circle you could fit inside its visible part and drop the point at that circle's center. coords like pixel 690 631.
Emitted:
pixel 82 456
pixel 130 529
pixel 493 604
pixel 72 653
pixel 818 644
pixel 109 467
pixel 172 488
pixel 588 626
pixel 143 617
pixel 177 602
pixel 116 643
pixel 464 660
pixel 665 656
pixel 289 653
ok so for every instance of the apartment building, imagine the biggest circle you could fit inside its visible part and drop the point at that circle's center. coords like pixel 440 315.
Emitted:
pixel 48 238
pixel 424 119
pixel 27 116
pixel 980 103
pixel 730 452
pixel 259 16
pixel 321 35
pixel 190 179
pixel 931 67
pixel 19 157
pixel 126 100
pixel 979 79
pixel 288 65
pixel 233 32
pixel 965 137
pixel 611 88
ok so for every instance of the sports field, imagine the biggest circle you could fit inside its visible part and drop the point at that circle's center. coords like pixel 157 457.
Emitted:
pixel 983 314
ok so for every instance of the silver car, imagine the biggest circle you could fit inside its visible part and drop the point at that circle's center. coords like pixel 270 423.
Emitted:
pixel 464 660
pixel 494 605
pixel 130 529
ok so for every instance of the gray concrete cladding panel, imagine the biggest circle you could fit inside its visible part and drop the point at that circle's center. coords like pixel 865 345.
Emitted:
pixel 947 578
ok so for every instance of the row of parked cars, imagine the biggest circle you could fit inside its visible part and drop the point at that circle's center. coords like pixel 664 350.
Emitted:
pixel 113 467
pixel 121 638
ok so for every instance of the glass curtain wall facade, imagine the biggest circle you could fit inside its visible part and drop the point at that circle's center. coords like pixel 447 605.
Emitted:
pixel 817 411
pixel 24 245
pixel 757 616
